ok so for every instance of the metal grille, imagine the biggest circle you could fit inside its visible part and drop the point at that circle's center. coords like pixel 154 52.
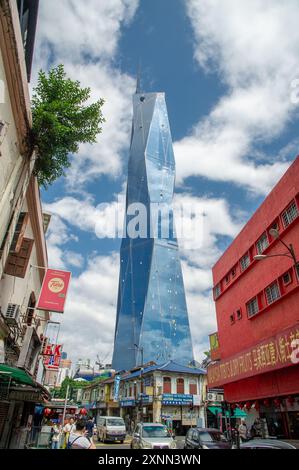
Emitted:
pixel 252 307
pixel 245 262
pixel 262 244
pixel 290 214
pixel 272 293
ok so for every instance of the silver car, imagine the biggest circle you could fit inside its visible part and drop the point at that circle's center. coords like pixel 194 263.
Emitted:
pixel 152 436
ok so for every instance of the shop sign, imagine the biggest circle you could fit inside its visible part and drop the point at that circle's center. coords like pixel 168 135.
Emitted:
pixel 20 395
pixel 52 356
pixel 116 387
pixel 128 402
pixel 54 290
pixel 177 399
pixel 269 355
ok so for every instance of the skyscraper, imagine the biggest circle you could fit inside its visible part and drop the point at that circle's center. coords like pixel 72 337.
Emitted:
pixel 152 319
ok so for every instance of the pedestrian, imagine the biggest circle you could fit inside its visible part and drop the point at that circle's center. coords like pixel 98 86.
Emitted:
pixel 90 427
pixel 78 439
pixel 56 432
pixel 243 431
pixel 67 430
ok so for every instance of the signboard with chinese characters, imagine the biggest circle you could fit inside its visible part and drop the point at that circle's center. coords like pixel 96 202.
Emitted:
pixel 52 356
pixel 267 356
pixel 54 290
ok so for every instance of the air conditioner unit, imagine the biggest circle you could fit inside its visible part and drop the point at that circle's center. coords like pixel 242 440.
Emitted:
pixel 12 314
pixel 211 397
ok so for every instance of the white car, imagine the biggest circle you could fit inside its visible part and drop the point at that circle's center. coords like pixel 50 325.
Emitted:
pixel 152 436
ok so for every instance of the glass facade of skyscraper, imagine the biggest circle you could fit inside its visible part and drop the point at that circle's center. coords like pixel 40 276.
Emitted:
pixel 152 319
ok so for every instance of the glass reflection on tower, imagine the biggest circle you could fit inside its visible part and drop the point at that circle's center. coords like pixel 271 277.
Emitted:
pixel 152 319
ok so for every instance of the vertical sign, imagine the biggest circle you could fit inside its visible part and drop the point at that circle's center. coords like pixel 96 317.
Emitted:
pixel 54 290
pixel 116 388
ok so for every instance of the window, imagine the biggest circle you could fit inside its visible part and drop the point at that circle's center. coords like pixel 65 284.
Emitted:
pixel 17 262
pixel 290 214
pixel 262 244
pixel 227 279
pixel 239 314
pixel 30 309
pixel 192 387
pixel 232 318
pixel 19 232
pixel 252 307
pixel 272 293
pixel 180 386
pixel 166 385
pixel 245 262
pixel 217 291
pixel 286 278
pixel 233 272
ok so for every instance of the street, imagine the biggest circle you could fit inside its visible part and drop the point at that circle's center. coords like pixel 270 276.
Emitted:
pixel 126 445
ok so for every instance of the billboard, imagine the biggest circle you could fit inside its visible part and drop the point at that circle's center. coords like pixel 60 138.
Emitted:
pixel 52 356
pixel 54 290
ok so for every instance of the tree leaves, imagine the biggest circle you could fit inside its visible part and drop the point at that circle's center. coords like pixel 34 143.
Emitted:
pixel 61 121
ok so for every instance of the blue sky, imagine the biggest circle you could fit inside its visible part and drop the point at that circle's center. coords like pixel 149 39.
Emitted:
pixel 227 72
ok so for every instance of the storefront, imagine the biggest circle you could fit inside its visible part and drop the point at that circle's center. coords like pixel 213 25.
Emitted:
pixel 19 395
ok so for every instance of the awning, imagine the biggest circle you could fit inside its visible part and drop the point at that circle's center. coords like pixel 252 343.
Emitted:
pixel 238 413
pixel 19 375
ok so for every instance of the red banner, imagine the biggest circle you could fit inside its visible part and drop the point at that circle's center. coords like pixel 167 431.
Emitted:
pixel 272 354
pixel 54 290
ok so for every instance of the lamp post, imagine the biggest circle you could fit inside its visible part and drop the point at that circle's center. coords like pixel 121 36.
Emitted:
pixel 290 251
pixel 141 380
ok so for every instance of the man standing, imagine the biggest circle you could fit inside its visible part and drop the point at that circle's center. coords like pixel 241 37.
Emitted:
pixel 78 438
pixel 90 427
pixel 68 429
pixel 243 431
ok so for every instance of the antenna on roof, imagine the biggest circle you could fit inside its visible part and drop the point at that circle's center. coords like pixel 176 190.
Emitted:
pixel 138 79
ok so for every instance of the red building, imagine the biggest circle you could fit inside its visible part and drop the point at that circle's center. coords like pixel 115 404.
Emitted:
pixel 257 305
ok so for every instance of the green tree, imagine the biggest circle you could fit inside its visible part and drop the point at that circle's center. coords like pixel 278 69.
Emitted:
pixel 62 120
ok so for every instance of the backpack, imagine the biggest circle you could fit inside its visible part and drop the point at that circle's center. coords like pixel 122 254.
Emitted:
pixel 70 444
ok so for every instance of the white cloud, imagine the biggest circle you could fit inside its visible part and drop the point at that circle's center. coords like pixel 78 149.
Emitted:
pixel 95 291
pixel 84 37
pixel 252 45
pixel 88 321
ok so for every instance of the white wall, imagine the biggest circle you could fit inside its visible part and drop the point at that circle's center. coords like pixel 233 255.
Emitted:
pixel 17 290
pixel 10 158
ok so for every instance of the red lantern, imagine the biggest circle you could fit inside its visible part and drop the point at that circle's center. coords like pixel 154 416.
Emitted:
pixel 47 411
pixel 276 402
pixel 257 405
pixel 83 412
pixel 291 400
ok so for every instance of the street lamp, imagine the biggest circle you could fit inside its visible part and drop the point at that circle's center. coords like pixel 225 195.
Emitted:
pixel 290 253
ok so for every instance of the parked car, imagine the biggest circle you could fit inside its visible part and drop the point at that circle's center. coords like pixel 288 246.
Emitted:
pixel 266 444
pixel 111 428
pixel 152 436
pixel 206 438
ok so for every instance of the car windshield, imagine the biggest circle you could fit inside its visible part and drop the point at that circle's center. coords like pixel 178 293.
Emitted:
pixel 115 422
pixel 212 437
pixel 155 431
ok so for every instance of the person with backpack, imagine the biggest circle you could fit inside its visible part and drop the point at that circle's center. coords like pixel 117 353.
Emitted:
pixel 68 429
pixel 78 438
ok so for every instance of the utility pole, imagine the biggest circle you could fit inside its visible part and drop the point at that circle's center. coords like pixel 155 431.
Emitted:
pixel 65 403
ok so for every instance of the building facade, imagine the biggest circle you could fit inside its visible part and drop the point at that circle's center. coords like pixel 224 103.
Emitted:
pixel 22 231
pixel 256 353
pixel 168 393
pixel 152 320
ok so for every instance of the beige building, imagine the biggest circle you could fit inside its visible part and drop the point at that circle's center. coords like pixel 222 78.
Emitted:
pixel 23 254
